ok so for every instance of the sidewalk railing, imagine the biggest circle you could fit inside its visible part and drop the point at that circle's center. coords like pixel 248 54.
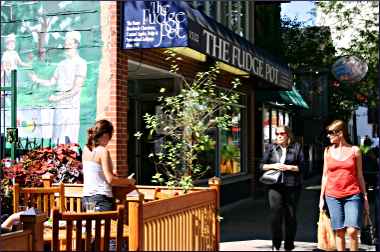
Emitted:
pixel 177 222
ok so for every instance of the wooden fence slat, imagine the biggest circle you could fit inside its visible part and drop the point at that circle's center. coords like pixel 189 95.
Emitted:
pixel 79 204
pixel 78 240
pixel 72 204
pixel 97 233
pixel 107 232
pixel 88 234
pixel 69 235
pixel 46 203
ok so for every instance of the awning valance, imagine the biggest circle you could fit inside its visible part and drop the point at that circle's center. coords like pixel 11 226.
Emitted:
pixel 292 97
pixel 165 24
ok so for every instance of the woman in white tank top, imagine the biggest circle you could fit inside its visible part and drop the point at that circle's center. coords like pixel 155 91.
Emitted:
pixel 97 168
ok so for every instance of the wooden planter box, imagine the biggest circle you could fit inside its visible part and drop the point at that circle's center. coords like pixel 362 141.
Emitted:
pixel 174 222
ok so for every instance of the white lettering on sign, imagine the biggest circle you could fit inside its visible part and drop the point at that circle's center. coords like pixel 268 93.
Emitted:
pixel 170 22
pixel 158 23
pixel 231 54
pixel 217 47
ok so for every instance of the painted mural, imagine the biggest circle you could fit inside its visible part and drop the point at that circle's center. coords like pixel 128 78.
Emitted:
pixel 56 48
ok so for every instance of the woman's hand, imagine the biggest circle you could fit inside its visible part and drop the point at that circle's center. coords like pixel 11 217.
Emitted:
pixel 132 181
pixel 321 204
pixel 278 166
pixel 366 204
pixel 284 167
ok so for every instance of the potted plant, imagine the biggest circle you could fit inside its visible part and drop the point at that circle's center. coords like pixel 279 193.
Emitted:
pixel 181 128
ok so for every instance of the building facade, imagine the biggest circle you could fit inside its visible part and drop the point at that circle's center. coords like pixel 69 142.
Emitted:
pixel 108 58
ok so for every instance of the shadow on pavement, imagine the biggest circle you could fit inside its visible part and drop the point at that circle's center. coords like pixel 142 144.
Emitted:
pixel 246 225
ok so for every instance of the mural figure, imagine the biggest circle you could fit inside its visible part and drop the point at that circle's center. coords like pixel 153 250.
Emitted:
pixel 68 78
pixel 10 59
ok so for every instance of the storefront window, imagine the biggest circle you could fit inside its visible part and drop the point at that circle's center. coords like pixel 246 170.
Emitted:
pixel 272 118
pixel 287 119
pixel 274 124
pixel 231 147
pixel 266 126
pixel 280 118
pixel 230 151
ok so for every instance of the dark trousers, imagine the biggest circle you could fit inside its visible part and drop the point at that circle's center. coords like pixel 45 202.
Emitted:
pixel 283 203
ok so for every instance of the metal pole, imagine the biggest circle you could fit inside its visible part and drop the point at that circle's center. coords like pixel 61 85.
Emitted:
pixel 13 111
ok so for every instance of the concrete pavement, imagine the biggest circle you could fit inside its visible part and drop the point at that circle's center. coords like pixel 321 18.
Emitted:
pixel 245 225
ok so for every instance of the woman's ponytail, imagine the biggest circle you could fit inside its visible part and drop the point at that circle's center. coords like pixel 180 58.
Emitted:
pixel 93 134
pixel 90 138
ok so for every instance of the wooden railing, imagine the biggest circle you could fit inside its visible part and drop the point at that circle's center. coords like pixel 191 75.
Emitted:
pixel 177 222
pixel 183 222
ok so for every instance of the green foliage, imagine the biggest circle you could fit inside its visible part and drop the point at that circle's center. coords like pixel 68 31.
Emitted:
pixel 182 125
pixel 308 49
pixel 230 152
pixel 362 21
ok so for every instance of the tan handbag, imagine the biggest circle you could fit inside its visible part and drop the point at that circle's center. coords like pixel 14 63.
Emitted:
pixel 326 236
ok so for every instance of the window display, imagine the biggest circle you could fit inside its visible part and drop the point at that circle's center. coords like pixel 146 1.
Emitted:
pixel 273 117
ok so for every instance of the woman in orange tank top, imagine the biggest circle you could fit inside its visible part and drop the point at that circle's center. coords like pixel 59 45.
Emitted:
pixel 343 186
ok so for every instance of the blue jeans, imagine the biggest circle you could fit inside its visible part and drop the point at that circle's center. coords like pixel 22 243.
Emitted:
pixel 346 212
pixel 102 202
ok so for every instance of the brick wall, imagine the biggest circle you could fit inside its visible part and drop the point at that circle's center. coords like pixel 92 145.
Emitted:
pixel 116 96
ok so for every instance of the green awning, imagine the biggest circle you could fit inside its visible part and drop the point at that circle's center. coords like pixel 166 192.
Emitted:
pixel 292 97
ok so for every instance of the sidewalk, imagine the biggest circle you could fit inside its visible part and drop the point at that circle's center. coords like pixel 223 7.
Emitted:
pixel 245 225
pixel 262 245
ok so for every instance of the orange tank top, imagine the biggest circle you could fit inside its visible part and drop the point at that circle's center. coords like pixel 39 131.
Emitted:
pixel 342 179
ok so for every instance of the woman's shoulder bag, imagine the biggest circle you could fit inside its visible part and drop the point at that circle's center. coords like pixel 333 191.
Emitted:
pixel 271 177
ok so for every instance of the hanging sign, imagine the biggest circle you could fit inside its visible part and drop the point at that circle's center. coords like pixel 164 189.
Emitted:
pixel 154 24
pixel 350 69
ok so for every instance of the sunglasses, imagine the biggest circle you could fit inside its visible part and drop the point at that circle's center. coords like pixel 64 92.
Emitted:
pixel 332 132
pixel 281 134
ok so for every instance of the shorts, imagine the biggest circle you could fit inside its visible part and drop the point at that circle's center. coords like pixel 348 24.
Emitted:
pixel 102 202
pixel 345 212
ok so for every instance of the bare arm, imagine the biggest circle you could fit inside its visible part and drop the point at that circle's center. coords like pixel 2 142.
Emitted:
pixel 8 223
pixel 276 166
pixel 107 169
pixel 324 180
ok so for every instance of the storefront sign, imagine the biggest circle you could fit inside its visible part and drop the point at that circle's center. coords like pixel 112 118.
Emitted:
pixel 154 24
pixel 243 57
pixel 162 24
pixel 234 55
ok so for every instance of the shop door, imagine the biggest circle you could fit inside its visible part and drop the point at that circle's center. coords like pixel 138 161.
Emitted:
pixel 142 99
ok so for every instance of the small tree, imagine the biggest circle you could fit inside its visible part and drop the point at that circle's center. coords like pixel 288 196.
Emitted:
pixel 182 125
